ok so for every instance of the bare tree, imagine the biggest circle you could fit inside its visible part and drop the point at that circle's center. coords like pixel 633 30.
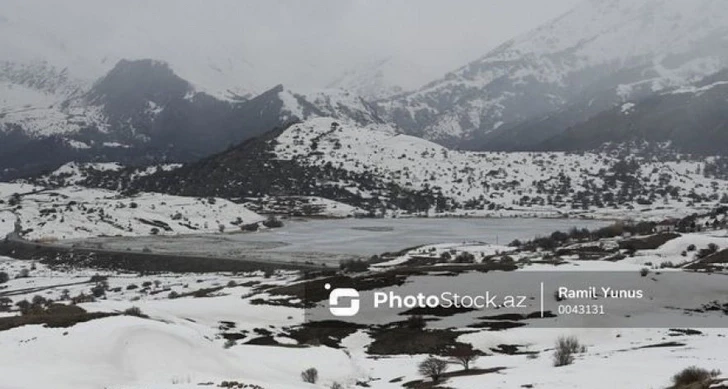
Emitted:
pixel 433 367
pixel 463 355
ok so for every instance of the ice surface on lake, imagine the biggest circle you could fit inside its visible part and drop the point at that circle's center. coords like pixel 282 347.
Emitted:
pixel 303 240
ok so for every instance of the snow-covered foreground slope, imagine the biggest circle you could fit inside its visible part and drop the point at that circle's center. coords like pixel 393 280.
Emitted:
pixel 178 346
pixel 75 212
pixel 137 353
pixel 501 184
pixel 180 341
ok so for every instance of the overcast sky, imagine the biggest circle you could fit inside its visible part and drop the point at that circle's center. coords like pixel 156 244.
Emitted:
pixel 300 43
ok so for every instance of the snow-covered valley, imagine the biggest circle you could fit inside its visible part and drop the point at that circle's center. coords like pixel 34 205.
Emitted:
pixel 172 330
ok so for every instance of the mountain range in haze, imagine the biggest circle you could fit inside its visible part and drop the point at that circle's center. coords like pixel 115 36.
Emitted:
pixel 605 72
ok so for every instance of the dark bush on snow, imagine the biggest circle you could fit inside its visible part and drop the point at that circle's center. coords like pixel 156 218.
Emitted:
pixel 693 375
pixel 310 375
pixel 272 222
pixel 566 347
pixel 134 311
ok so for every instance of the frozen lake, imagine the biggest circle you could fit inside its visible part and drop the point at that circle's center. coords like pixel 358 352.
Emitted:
pixel 374 236
pixel 333 240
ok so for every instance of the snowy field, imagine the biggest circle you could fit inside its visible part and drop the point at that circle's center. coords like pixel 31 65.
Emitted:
pixel 179 342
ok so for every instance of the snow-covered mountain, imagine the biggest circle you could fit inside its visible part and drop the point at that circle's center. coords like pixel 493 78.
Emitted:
pixel 525 94
pixel 598 55
pixel 139 112
pixel 114 86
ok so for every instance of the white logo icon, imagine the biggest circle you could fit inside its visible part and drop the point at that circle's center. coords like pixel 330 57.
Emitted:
pixel 343 293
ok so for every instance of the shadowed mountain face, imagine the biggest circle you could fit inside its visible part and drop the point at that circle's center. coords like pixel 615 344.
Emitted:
pixel 691 119
pixel 599 55
pixel 148 107
pixel 131 87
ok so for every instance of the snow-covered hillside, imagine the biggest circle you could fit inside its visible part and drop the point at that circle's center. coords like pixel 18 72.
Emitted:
pixel 75 212
pixel 74 173
pixel 603 52
pixel 487 183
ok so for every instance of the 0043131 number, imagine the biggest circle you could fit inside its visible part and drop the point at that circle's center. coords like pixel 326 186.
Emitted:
pixel 581 309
